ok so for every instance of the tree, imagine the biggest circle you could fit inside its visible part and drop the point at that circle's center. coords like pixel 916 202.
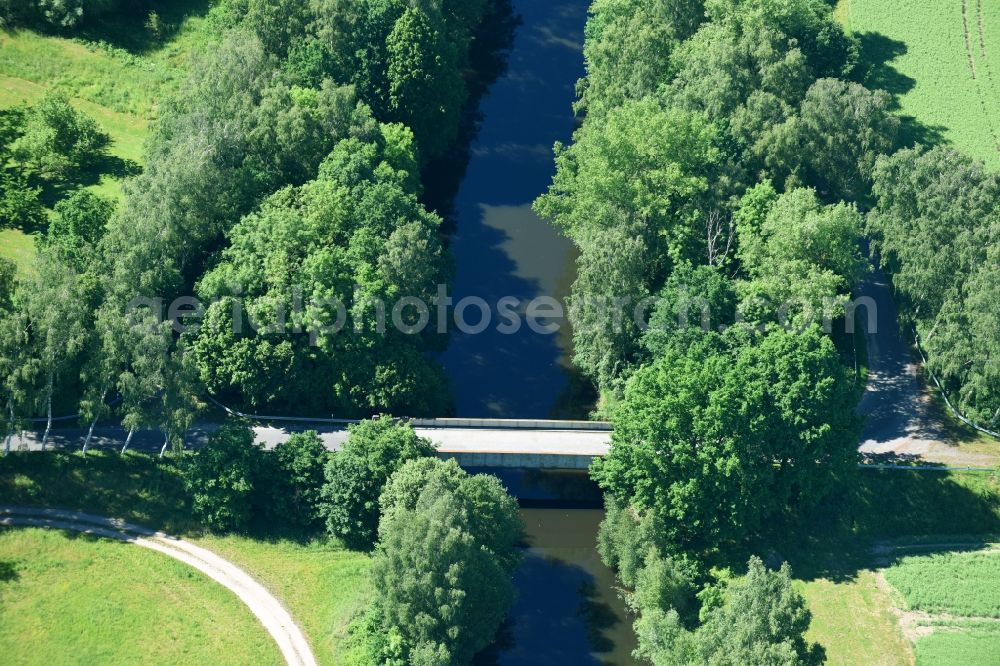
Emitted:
pixel 628 46
pixel 803 259
pixel 643 164
pixel 610 284
pixel 694 300
pixel 629 192
pixel 333 250
pixel 58 139
pixel 55 307
pixel 15 362
pixel 58 14
pixel 936 226
pixel 220 478
pixel 492 514
pixel 78 226
pixel 20 205
pixel 841 129
pixel 291 480
pixel 356 474
pixel 442 574
pixel 758 619
pixel 763 621
pixel 717 439
pixel 426 90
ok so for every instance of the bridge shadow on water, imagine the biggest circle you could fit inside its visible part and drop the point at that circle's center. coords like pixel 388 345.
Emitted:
pixel 567 610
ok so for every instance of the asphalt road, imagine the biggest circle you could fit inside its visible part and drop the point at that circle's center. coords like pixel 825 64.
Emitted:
pixel 900 424
pixel 449 440
pixel 900 420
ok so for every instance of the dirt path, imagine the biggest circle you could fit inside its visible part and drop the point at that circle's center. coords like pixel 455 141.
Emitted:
pixel 276 620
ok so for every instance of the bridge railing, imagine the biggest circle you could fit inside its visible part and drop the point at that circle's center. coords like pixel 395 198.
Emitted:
pixel 511 424
pixel 485 424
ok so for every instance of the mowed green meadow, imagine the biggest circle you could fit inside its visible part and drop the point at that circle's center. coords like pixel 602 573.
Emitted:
pixel 942 60
pixel 322 584
pixel 73 599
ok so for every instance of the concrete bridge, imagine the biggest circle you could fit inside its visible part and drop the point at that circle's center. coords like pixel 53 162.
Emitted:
pixel 537 444
pixel 517 443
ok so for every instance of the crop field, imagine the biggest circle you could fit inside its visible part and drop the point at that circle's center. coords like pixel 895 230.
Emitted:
pixel 942 60
pixel 951 602
pixel 956 583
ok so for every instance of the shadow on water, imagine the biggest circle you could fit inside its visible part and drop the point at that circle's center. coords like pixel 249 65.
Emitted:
pixel 501 248
pixel 567 610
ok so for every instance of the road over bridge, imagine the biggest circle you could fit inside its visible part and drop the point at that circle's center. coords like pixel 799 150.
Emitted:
pixel 472 442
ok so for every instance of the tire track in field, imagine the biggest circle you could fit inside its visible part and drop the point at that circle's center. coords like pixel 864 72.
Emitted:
pixel 977 82
pixel 968 39
pixel 991 87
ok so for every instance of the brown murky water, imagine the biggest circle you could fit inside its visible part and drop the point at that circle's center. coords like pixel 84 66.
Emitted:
pixel 568 610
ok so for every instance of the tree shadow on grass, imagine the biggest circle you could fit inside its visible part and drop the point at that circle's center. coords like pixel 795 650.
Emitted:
pixel 876 71
pixel 90 174
pixel 129 26
pixel 8 572
pixel 841 537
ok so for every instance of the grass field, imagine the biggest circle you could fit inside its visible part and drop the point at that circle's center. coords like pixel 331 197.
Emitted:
pixel 894 504
pixel 942 60
pixel 69 599
pixel 323 585
pixel 853 620
pixel 117 74
pixel 19 247
pixel 118 65
pixel 951 602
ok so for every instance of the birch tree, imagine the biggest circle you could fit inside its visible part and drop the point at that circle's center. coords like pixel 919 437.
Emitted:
pixel 56 310
pixel 13 352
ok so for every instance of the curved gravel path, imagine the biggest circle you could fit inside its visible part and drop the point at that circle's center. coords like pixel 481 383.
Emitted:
pixel 276 620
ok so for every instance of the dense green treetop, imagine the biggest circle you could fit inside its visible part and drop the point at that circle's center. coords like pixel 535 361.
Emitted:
pixel 79 224
pixel 357 473
pixel 718 437
pixel 315 255
pixel 628 46
pixel 442 570
pixel 643 163
pixel 757 619
pixel 802 260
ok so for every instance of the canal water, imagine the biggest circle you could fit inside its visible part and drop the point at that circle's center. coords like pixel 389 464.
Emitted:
pixel 567 611
pixel 501 248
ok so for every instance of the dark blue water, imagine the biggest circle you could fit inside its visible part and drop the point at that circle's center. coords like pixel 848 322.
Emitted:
pixel 567 610
pixel 501 248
